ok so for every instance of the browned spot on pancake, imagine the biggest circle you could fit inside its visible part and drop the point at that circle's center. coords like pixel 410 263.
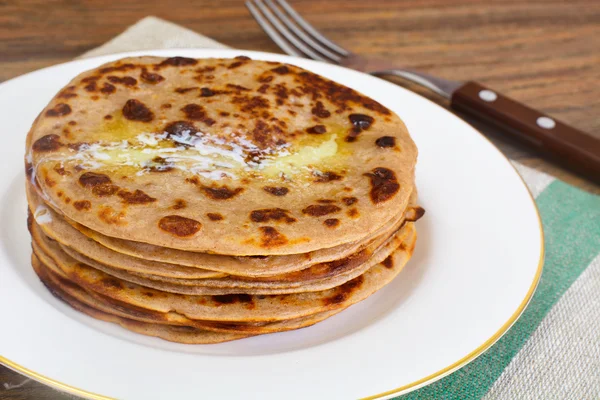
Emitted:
pixel 215 216
pixel 105 190
pixel 67 93
pixel 60 193
pixel 349 200
pixel 196 112
pixel 388 262
pixel 178 62
pixel 221 193
pixel 235 65
pixel 135 110
pixel 238 88
pixel 263 88
pixel 384 184
pixel 327 176
pixel 59 169
pixel 179 226
pixel 208 68
pixel 92 78
pixel 193 180
pixel 136 197
pixel 124 80
pixel 271 237
pixel 386 141
pixel 246 58
pixel 318 210
pixel 72 123
pixel 281 92
pixel 320 111
pixel 110 216
pixel 166 106
pixel 352 213
pixel 265 79
pixel 108 117
pixel 185 90
pixel 281 70
pixel 118 67
pixel 276 190
pixel 67 200
pixel 415 213
pixel 59 110
pixel 91 87
pixel 207 92
pixel 224 114
pixel 272 214
pixel 250 103
pixel 179 204
pixel 325 201
pixel 47 143
pixel 147 294
pixel 178 127
pixel 107 88
pixel 150 77
pixel 82 205
pixel 101 184
pixel 317 129
pixel 49 181
pixel 341 96
pixel 111 283
pixel 92 179
pixel 343 292
pixel 331 222
pixel 95 97
pixel 232 298
pixel 360 122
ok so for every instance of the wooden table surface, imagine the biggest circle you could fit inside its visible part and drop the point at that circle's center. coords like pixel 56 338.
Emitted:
pixel 543 53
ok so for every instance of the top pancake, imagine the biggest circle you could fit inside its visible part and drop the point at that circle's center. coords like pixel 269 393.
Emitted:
pixel 228 156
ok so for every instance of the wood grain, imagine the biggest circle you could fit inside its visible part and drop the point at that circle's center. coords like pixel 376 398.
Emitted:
pixel 543 53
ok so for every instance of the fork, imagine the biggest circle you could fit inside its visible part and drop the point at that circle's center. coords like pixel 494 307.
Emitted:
pixel 567 145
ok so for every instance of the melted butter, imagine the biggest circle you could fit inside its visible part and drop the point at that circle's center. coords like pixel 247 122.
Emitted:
pixel 119 128
pixel 305 156
pixel 127 148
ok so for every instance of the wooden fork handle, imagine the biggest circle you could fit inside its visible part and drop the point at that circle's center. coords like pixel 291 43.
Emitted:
pixel 567 145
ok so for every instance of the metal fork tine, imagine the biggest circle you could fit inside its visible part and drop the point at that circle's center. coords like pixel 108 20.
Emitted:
pixel 300 33
pixel 310 29
pixel 273 34
pixel 286 33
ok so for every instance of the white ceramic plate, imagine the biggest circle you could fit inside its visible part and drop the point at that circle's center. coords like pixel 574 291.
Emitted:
pixel 477 262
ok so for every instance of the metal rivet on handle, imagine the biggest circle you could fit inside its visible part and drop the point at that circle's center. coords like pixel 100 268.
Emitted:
pixel 545 122
pixel 488 95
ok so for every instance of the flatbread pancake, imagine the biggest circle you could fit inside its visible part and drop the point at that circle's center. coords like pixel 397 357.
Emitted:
pixel 119 309
pixel 225 156
pixel 316 278
pixel 239 307
pixel 179 334
pixel 154 260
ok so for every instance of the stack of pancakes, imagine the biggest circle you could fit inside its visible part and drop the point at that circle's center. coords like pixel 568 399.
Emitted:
pixel 207 200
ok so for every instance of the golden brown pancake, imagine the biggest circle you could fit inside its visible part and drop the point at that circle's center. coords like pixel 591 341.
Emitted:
pixel 240 307
pixel 226 156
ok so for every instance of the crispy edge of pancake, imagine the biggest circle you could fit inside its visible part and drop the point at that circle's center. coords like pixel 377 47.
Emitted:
pixel 178 334
pixel 209 308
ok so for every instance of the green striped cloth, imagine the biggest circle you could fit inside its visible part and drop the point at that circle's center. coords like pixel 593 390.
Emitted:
pixel 553 350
